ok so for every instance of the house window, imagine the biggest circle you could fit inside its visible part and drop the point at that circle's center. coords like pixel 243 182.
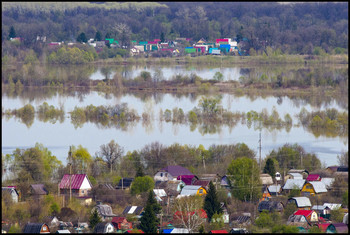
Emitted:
pixel 44 228
pixel 161 174
pixel 166 174
pixel 200 191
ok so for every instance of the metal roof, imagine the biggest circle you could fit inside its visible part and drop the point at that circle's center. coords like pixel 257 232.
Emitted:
pixel 190 189
pixel 159 192
pixel 33 228
pixel 302 201
pixel 327 181
pixel 274 188
pixel 135 210
pixel 175 171
pixel 105 210
pixel 313 177
pixel 76 181
pixel 319 186
pixel 332 206
pixel 296 175
pixel 294 183
pixel 39 189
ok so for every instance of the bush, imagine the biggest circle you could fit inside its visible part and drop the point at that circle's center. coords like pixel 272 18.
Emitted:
pixel 142 184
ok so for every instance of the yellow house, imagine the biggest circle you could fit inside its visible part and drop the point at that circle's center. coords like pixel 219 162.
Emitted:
pixel 191 190
pixel 313 188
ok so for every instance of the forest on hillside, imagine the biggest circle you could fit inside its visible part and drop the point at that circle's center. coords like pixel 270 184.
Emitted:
pixel 294 28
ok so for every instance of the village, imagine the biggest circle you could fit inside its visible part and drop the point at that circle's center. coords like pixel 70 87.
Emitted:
pixel 161 48
pixel 175 182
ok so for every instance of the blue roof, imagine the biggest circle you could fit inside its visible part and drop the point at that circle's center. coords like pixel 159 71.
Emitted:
pixel 167 230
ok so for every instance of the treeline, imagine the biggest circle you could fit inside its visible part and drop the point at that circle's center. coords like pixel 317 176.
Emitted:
pixel 209 116
pixel 302 28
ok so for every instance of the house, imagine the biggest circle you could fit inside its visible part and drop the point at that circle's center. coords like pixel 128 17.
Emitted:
pixel 299 221
pixel 328 182
pixel 79 184
pixel 303 172
pixel 125 183
pixel 218 231
pixel 313 187
pixel 270 206
pixel 171 173
pixel 322 211
pixel 302 203
pixel 176 230
pixel 266 196
pixel 293 176
pixel 12 192
pixel 310 215
pixel 238 230
pixel 338 170
pixel 241 220
pixel 266 179
pixel 187 179
pixel 105 212
pixel 121 223
pixel 104 227
pixel 337 228
pixel 52 221
pixel 274 189
pixel 133 210
pixel 36 228
pixel 38 190
pixel 190 190
pixel 313 177
pixel 160 195
pixel 293 184
pixel 322 226
pixel 346 218
pixel 332 206
pixel 203 183
pixel 225 182
pixel 63 231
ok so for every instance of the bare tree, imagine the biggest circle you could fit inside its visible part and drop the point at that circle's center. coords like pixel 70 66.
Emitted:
pixel 189 212
pixel 124 34
pixel 111 152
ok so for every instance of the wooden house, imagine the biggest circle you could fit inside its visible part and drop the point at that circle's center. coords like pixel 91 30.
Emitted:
pixel 38 190
pixel 271 206
pixel 302 203
pixel 313 188
pixel 225 182
pixel 203 183
pixel 121 223
pixel 36 228
pixel 266 179
pixel 125 183
pixel 298 221
pixel 274 190
pixel 105 212
pixel 310 215
pixel 293 184
pixel 80 186
pixel 171 173
pixel 104 227
pixel 241 220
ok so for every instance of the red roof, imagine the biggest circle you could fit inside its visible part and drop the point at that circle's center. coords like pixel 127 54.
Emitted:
pixel 305 213
pixel 218 231
pixel 76 181
pixel 313 177
pixel 118 219
pixel 323 226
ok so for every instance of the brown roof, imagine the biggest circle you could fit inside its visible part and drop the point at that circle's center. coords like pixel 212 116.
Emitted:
pixel 39 189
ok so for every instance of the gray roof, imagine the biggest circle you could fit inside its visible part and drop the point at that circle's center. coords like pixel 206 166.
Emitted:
pixel 266 179
pixel 100 227
pixel 319 186
pixel 328 182
pixel 274 188
pixel 190 189
pixel 296 175
pixel 270 206
pixel 332 206
pixel 105 210
pixel 294 183
pixel 318 207
pixel 301 201
pixel 39 189
pixel 125 182
pixel 296 218
pixel 33 227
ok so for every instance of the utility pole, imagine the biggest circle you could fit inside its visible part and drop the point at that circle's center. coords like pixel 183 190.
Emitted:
pixel 260 148
pixel 70 173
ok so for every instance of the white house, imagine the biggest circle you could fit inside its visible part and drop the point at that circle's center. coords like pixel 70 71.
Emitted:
pixel 171 173
pixel 11 190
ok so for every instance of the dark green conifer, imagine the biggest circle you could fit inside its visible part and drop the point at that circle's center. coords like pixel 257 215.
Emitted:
pixel 211 203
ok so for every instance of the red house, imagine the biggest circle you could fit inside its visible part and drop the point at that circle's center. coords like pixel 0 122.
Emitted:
pixel 310 215
pixel 120 223
pixel 313 177
pixel 80 186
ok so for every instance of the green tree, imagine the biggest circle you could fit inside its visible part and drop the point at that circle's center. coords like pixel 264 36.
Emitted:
pixel 162 37
pixel 98 36
pixel 264 220
pixel 153 202
pixel 211 203
pixel 142 184
pixel 54 209
pixel 15 229
pixel 282 228
pixel 80 159
pixel 12 32
pixel 289 209
pixel 82 38
pixel 245 179
pixel 149 220
pixel 270 167
pixel 337 215
pixel 218 76
pixel 94 219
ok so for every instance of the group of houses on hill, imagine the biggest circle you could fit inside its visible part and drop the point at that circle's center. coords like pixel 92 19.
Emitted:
pixel 173 182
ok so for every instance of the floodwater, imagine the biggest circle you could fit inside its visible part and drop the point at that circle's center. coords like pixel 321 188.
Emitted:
pixel 58 137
